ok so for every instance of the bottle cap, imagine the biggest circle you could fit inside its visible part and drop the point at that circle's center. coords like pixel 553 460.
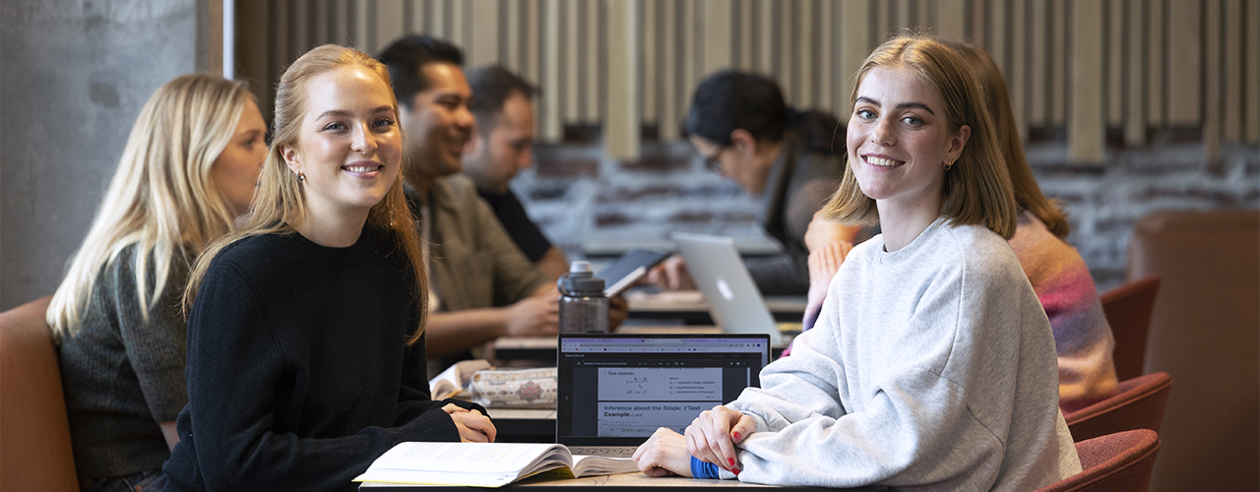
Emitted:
pixel 580 281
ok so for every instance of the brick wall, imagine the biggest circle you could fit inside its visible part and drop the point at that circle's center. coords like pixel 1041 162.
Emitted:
pixel 586 203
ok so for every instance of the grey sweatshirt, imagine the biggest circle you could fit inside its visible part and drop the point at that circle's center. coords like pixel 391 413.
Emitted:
pixel 930 368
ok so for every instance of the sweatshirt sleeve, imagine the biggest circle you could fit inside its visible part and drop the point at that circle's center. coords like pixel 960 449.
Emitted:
pixel 234 366
pixel 908 424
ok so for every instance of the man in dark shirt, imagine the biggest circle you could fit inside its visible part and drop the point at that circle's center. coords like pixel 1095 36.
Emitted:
pixel 501 146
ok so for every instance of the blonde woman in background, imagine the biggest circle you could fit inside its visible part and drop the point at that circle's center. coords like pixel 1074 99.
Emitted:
pixel 187 172
pixel 306 354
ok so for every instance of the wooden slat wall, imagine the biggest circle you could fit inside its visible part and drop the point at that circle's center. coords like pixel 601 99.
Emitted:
pixel 1082 66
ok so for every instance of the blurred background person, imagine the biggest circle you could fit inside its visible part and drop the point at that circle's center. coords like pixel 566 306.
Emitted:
pixel 483 287
pixel 1057 272
pixel 741 126
pixel 502 146
pixel 188 171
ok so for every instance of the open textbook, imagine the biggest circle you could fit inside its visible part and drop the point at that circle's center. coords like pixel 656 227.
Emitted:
pixel 483 464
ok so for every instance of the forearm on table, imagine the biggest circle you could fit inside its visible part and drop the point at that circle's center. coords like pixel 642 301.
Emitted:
pixel 454 332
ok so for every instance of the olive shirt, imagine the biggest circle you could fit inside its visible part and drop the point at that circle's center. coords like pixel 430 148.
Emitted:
pixel 474 263
pixel 122 373
pixel 800 183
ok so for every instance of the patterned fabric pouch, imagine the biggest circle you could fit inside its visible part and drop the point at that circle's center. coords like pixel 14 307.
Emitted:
pixel 515 388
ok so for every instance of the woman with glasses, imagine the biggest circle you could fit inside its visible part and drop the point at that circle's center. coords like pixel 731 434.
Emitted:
pixel 741 127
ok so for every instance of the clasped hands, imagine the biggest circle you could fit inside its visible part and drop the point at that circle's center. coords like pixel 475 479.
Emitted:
pixel 472 426
pixel 711 438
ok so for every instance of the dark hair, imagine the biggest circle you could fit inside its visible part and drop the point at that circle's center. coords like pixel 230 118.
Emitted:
pixel 492 85
pixel 407 56
pixel 730 100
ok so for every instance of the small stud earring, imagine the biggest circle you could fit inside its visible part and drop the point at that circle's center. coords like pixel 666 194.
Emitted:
pixel 302 177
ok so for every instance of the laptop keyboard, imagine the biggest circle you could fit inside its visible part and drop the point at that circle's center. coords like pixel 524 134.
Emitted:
pixel 606 451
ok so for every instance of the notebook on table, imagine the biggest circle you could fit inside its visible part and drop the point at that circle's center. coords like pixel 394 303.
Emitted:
pixel 719 272
pixel 614 391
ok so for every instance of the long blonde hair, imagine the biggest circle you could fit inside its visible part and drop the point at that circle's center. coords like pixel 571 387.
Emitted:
pixel 162 198
pixel 977 188
pixel 279 200
pixel 1027 194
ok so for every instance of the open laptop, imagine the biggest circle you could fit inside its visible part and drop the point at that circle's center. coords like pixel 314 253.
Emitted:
pixel 719 272
pixel 613 391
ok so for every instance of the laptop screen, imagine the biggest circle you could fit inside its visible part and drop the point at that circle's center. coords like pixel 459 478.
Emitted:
pixel 616 390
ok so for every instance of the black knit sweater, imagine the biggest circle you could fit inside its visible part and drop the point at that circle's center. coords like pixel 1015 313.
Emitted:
pixel 298 373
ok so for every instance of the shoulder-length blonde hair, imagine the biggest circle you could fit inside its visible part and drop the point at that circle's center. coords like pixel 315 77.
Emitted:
pixel 279 201
pixel 1027 194
pixel 162 198
pixel 977 188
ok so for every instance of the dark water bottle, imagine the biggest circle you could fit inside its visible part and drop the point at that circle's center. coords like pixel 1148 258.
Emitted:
pixel 583 306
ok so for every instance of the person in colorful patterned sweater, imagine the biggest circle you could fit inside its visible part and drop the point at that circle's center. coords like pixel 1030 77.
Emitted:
pixel 1057 272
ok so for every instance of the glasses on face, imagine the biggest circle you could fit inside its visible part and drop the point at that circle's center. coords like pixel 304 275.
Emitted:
pixel 712 163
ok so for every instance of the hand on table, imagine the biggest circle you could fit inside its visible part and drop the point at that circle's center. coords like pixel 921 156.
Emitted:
pixel 664 453
pixel 712 436
pixel 473 426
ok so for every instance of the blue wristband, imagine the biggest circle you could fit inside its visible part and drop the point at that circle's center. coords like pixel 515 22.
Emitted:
pixel 701 469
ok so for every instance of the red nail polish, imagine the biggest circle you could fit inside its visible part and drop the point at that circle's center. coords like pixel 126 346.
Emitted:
pixel 735 471
pixel 731 461
pixel 735 435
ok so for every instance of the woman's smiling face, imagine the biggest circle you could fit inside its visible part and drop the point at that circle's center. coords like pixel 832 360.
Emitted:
pixel 899 138
pixel 350 148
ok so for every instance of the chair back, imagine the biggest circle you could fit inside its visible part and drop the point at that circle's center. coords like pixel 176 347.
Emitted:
pixel 1128 310
pixel 1119 462
pixel 35 451
pixel 1205 330
pixel 1138 405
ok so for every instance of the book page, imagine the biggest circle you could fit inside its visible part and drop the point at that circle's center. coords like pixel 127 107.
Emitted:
pixel 586 465
pixel 462 457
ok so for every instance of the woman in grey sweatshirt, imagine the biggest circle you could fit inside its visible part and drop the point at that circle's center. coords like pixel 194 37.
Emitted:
pixel 932 365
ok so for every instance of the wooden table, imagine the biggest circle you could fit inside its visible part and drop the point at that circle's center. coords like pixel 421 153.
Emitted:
pixel 625 482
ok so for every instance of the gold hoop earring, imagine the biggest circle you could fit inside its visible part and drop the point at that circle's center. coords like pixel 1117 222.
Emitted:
pixel 948 164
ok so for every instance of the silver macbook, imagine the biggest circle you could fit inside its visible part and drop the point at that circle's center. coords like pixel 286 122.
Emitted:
pixel 613 391
pixel 719 272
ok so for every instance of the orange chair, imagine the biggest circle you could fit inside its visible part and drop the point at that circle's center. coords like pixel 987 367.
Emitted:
pixel 1128 309
pixel 1139 405
pixel 35 451
pixel 1114 463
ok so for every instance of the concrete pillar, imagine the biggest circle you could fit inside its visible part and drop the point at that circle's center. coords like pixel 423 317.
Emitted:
pixel 75 75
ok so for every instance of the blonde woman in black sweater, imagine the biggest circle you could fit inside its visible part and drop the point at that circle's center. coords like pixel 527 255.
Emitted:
pixel 306 334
